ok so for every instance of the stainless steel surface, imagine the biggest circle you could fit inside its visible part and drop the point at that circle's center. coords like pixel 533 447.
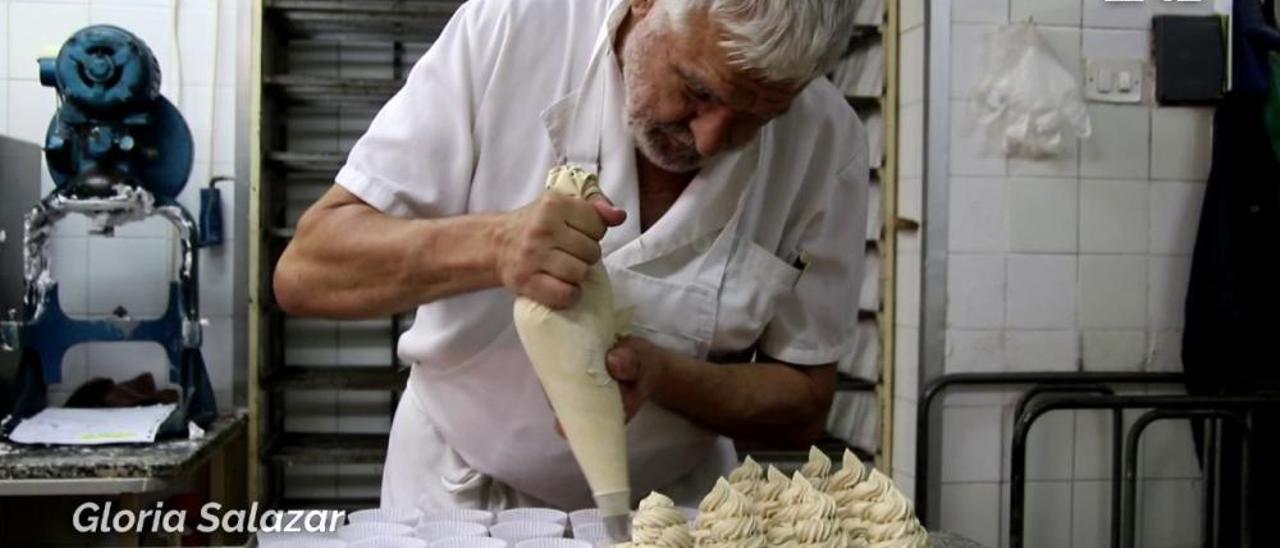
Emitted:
pixel 19 189
pixel 937 181
pixel 239 237
pixel 79 486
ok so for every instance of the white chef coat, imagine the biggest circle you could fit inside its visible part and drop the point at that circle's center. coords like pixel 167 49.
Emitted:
pixel 514 87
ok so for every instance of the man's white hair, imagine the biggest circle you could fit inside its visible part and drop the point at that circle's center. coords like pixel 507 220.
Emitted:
pixel 790 41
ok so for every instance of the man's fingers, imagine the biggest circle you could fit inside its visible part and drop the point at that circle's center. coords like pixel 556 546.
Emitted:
pixel 565 267
pixel 579 245
pixel 583 218
pixel 559 428
pixel 611 215
pixel 631 399
pixel 551 291
pixel 623 364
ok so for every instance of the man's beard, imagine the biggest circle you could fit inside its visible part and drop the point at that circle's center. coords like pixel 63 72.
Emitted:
pixel 669 146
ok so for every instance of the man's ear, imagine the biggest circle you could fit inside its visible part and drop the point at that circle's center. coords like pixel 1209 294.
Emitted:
pixel 641 8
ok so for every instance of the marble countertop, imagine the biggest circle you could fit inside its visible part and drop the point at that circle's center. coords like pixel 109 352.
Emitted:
pixel 166 458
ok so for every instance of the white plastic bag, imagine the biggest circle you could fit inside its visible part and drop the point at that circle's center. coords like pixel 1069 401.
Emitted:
pixel 1026 100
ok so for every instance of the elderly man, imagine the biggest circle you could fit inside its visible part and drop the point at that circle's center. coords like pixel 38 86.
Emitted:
pixel 734 224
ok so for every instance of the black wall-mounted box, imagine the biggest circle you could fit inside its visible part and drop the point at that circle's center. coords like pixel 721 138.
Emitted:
pixel 1191 59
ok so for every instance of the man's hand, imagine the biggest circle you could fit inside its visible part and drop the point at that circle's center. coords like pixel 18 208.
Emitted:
pixel 545 248
pixel 639 367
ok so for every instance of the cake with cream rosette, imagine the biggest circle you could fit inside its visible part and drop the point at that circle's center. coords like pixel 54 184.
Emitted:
pixel 747 477
pixel 659 524
pixel 727 518
pixel 768 493
pixel 818 469
pixel 809 519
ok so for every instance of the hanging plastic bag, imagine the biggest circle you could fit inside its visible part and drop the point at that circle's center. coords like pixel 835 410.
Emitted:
pixel 1026 100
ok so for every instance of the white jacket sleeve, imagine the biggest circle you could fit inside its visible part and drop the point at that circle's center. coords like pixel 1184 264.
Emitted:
pixel 418 156
pixel 816 322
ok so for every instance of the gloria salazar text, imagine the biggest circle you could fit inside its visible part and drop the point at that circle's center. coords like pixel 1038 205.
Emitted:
pixel 92 517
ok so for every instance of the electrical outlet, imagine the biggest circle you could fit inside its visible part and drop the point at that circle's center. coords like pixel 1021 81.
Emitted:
pixel 1115 80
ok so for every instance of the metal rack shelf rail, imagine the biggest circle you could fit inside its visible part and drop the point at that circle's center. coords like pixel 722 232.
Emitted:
pixel 1213 408
pixel 1084 391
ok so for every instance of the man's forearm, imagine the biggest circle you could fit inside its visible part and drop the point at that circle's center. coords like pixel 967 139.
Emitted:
pixel 350 261
pixel 767 402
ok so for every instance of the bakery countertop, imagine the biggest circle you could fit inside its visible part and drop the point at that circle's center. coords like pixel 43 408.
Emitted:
pixel 163 459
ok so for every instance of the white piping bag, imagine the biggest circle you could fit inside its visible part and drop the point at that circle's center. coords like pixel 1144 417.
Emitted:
pixel 567 348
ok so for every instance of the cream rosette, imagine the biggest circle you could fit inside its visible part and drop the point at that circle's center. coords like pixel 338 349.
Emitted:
pixel 728 519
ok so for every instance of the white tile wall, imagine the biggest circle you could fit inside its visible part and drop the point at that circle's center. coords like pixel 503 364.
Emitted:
pixel 969 46
pixel 1120 145
pixel 1168 451
pixel 907 363
pixel 1116 44
pixel 971 436
pixel 911 14
pixel 133 273
pixel 973 151
pixel 1170 513
pixel 30 108
pixel 1042 350
pixel 1048 514
pixel 4 44
pixel 911 67
pixel 975 291
pixel 1042 215
pixel 908 289
pixel 1045 458
pixel 911 140
pixel 1041 292
pixel 1181 143
pixel 980 11
pixel 1166 351
pixel 1047 12
pixel 974 351
pixel 1167 282
pixel 4 97
pixel 1090 514
pixel 1175 215
pixel 1115 350
pixel 1092 460
pixel 1102 14
pixel 66 262
pixel 972 510
pixel 904 437
pixel 1113 291
pixel 977 216
pixel 1113 216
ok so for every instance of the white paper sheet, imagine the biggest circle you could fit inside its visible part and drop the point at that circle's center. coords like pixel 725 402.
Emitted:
pixel 67 426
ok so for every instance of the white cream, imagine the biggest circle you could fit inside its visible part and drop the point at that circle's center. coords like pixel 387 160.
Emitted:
pixel 728 519
pixel 809 519
pixel 658 523
pixel 747 477
pixel 817 469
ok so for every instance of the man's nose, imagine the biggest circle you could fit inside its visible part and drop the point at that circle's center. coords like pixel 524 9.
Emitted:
pixel 711 130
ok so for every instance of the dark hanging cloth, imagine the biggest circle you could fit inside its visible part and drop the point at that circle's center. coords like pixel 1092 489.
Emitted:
pixel 1230 343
